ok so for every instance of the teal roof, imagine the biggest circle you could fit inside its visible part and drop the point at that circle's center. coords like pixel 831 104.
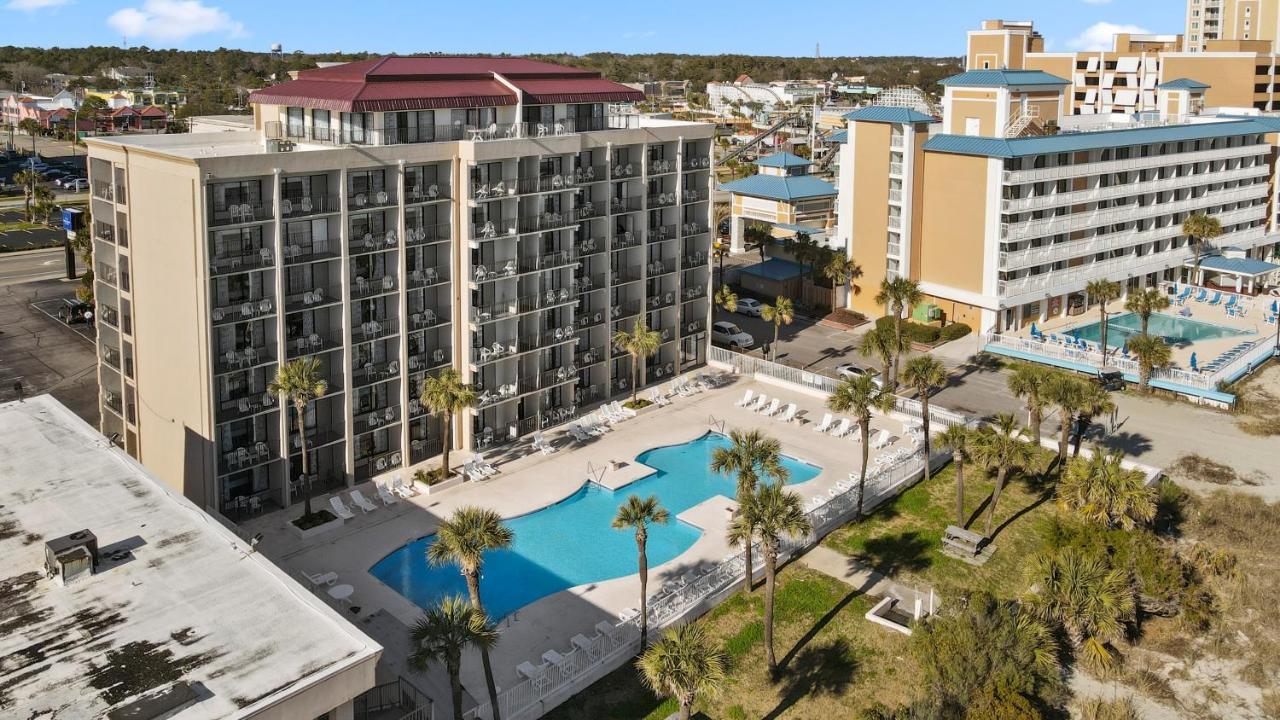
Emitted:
pixel 1183 84
pixel 777 187
pixel 1077 141
pixel 885 113
pixel 782 160
pixel 1237 266
pixel 1003 78
pixel 775 269
pixel 839 136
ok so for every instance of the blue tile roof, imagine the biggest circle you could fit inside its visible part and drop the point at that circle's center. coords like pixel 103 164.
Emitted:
pixel 1072 142
pixel 1003 78
pixel 775 187
pixel 782 160
pixel 1183 84
pixel 885 113
pixel 1238 266
pixel 839 136
pixel 775 269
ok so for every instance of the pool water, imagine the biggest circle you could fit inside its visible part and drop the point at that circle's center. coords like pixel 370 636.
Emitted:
pixel 1174 329
pixel 572 542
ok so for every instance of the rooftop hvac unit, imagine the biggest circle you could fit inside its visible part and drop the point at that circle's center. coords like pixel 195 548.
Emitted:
pixel 71 557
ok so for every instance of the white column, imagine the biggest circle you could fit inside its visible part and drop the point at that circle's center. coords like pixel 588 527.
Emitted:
pixel 736 232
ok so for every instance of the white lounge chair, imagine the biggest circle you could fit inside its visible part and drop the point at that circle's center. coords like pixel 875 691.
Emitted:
pixel 841 429
pixel 788 413
pixel 478 461
pixel 359 500
pixel 399 488
pixel 747 397
pixel 530 671
pixel 620 409
pixel 385 495
pixel 761 401
pixel 577 433
pixel 880 440
pixel 771 408
pixel 540 444
pixel 657 398
pixel 825 425
pixel 328 578
pixel 335 502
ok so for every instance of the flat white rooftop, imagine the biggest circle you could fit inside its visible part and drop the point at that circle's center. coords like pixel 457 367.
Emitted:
pixel 188 602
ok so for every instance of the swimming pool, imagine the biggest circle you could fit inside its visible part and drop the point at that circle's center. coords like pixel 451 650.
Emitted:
pixel 1175 330
pixel 572 542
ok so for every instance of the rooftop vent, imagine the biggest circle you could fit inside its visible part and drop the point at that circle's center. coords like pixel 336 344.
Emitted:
pixel 71 557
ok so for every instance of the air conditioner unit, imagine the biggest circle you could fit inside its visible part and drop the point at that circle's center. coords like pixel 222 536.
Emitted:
pixel 71 557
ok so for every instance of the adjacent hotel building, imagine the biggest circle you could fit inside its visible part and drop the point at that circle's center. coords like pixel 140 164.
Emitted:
pixel 391 218
pixel 1009 206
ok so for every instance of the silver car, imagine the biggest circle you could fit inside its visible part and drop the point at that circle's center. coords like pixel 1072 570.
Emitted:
pixel 726 333
pixel 849 371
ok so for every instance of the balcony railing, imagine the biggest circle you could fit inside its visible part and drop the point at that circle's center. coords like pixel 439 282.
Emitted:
pixel 373 286
pixel 426 277
pixel 493 229
pixel 277 130
pixel 318 297
pixel 375 242
pixel 694 162
pixel 306 205
pixel 299 250
pixel 662 200
pixel 1012 177
pixel 1142 187
pixel 625 240
pixel 547 221
pixel 550 261
pixel 1110 216
pixel 374 330
pixel 370 373
pixel 509 308
pixel 252 308
pixel 425 234
pixel 370 419
pixel 662 233
pixel 240 213
pixel 226 263
pixel 370 200
pixel 103 191
pixel 627 204
pixel 430 193
pixel 314 342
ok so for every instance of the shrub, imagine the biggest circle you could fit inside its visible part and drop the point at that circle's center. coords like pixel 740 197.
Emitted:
pixel 955 331
pixel 913 331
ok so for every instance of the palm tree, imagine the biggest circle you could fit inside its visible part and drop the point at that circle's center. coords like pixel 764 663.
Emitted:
pixel 858 396
pixel 1152 353
pixel 841 270
pixel 1144 303
pixel 727 298
pixel 1028 381
pixel 1200 229
pixel 443 632
pixel 683 665
pixel 32 128
pixel 882 344
pixel 1091 600
pixel 300 382
pixel 780 313
pixel 639 514
pixel 768 514
pixel 1103 291
pixel 897 296
pixel 961 441
pixel 1103 491
pixel 29 180
pixel 640 342
pixel 1094 401
pixel 752 456
pixel 1002 447
pixel 42 203
pixel 924 373
pixel 447 395
pixel 1065 393
pixel 463 539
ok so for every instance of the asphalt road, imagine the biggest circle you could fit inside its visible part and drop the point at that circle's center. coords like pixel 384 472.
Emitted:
pixel 804 343
pixel 23 267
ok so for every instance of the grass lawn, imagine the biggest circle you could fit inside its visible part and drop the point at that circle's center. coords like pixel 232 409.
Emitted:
pixel 20 225
pixel 835 662
pixel 903 537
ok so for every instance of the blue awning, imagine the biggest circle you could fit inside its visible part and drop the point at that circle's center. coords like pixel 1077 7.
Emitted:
pixel 1236 266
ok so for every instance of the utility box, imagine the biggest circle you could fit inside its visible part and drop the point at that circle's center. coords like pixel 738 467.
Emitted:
pixel 71 557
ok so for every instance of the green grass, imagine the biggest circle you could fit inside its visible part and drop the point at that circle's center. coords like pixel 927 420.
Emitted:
pixel 20 225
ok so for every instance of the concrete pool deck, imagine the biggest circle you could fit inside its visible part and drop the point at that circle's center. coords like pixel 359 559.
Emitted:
pixel 528 482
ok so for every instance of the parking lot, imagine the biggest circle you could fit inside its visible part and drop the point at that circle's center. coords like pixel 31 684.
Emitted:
pixel 26 239
pixel 41 352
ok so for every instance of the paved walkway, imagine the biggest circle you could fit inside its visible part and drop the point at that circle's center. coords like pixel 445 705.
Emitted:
pixel 862 578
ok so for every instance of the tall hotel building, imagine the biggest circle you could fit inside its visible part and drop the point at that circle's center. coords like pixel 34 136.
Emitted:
pixel 391 218
pixel 1009 206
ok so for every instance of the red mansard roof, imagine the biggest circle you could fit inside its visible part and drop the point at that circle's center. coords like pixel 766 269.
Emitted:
pixel 409 83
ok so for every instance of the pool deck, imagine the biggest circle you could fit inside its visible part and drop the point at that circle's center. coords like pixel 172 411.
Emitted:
pixel 529 481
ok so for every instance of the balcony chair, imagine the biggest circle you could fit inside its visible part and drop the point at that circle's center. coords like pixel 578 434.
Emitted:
pixel 368 241
pixel 390 238
pixel 306 205
pixel 383 198
pixel 360 200
pixel 388 282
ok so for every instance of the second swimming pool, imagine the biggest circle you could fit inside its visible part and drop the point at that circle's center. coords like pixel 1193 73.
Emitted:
pixel 572 542
pixel 1175 330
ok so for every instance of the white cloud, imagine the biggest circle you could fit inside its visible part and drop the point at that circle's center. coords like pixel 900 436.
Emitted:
pixel 1099 36
pixel 173 20
pixel 33 5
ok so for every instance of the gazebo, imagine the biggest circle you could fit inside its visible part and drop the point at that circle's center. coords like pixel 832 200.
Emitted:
pixel 1245 274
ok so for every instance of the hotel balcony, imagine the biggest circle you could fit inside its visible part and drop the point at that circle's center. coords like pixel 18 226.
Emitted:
pixel 371 200
pixel 253 307
pixel 1044 227
pixel 1141 187
pixel 1017 177
pixel 370 330
pixel 306 134
pixel 240 213
pixel 427 234
pixel 308 205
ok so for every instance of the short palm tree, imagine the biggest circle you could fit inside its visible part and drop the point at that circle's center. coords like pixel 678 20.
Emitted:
pixel 1002 447
pixel 1200 230
pixel 925 374
pixel 1152 353
pixel 441 635
pixel 1102 491
pixel 841 270
pixel 683 665
pixel 1089 599
pixel 780 313
pixel 769 514
pixel 1094 401
pixel 463 539
pixel 897 296
pixel 31 127
pixel 1027 381
pixel 638 514
pixel 301 382
pixel 446 395
pixel 727 299
pixel 883 345
pixel 858 396
pixel 1064 393
pixel 28 180
pixel 962 442
pixel 751 457
pixel 1145 303
pixel 640 342
pixel 1103 291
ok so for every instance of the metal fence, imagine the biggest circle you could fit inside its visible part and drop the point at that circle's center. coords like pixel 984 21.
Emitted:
pixel 397 699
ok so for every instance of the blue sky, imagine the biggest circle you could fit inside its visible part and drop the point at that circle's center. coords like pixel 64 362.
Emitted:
pixel 843 27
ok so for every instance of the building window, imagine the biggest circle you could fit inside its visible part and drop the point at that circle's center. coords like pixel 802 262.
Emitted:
pixel 320 125
pixel 295 127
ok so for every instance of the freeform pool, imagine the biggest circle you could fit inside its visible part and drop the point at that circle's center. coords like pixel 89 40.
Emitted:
pixel 1175 330
pixel 572 542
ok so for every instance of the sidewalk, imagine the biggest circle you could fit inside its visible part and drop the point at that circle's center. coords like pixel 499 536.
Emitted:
pixel 864 579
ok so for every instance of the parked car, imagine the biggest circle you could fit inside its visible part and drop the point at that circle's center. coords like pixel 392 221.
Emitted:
pixel 726 333
pixel 849 371
pixel 73 311
pixel 67 179
pixel 723 227
pixel 750 307
pixel 75 185
pixel 54 175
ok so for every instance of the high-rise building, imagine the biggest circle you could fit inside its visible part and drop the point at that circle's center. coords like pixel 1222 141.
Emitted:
pixel 391 218
pixel 1252 20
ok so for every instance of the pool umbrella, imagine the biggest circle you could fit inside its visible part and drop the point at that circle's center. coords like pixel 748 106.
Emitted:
pixel 1193 363
pixel 1034 329
pixel 1273 306
pixel 1125 348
